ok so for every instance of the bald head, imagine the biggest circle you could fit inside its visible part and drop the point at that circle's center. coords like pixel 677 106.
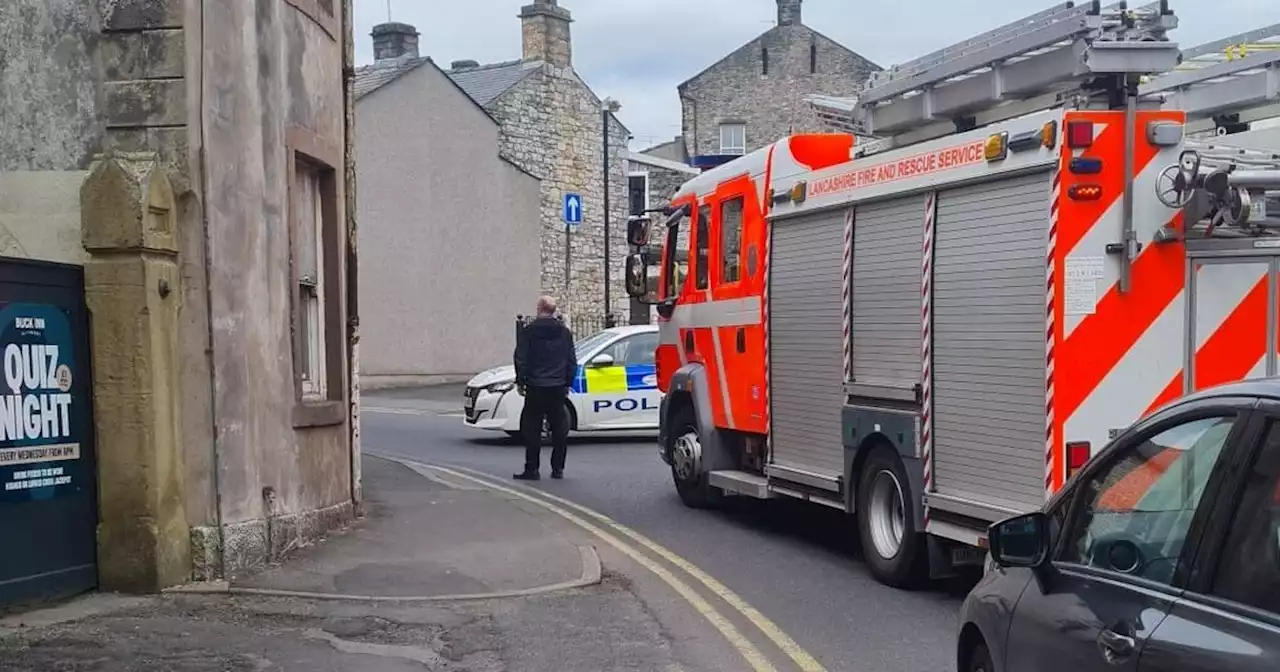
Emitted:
pixel 546 305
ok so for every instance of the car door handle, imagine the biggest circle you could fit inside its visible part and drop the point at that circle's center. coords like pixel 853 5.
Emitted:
pixel 1116 646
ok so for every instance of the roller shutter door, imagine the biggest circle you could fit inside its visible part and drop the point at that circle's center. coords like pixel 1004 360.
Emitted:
pixel 989 343
pixel 806 341
pixel 886 292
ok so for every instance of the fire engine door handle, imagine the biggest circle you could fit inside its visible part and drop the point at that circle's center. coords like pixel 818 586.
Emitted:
pixel 742 340
pixel 688 341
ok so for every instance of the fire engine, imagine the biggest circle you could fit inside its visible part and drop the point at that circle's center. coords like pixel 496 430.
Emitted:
pixel 1019 246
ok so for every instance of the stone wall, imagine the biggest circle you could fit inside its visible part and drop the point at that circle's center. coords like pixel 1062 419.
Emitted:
pixel 49 125
pixel 552 127
pixel 772 105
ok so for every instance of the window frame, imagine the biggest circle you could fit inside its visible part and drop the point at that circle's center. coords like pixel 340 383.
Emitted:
pixel 728 150
pixel 764 61
pixel 1196 531
pixel 303 146
pixel 1205 568
pixel 720 279
pixel 648 189
pixel 702 237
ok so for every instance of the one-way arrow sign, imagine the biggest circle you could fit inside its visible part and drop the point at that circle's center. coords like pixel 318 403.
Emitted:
pixel 572 209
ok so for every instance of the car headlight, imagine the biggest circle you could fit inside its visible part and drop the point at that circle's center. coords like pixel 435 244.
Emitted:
pixel 499 388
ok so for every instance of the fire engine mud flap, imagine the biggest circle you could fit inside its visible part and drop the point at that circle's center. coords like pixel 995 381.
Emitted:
pixel 866 427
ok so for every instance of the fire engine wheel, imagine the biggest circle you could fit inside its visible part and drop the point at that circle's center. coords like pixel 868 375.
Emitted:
pixel 894 552
pixel 686 462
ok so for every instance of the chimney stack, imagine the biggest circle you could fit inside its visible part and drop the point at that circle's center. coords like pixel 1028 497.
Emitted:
pixel 394 41
pixel 789 12
pixel 546 33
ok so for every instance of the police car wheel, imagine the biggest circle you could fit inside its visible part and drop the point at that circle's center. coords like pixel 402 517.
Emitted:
pixel 691 481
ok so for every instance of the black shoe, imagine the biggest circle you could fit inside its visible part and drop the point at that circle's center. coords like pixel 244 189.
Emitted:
pixel 527 476
pixel 557 474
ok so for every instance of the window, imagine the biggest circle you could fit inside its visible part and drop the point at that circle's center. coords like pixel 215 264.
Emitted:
pixel 733 138
pixel 676 257
pixel 316 264
pixel 813 59
pixel 1136 512
pixel 1249 566
pixel 704 242
pixel 764 60
pixel 309 228
pixel 731 240
pixel 635 350
pixel 638 193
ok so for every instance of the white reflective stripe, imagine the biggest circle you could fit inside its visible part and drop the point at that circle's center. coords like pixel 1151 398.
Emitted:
pixel 724 384
pixel 727 313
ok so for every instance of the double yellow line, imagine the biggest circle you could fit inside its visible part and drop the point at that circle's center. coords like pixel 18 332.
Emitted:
pixel 608 531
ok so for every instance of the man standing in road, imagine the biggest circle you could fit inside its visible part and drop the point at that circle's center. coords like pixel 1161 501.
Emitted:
pixel 546 362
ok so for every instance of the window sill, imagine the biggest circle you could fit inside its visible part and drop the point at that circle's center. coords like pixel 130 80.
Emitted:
pixel 318 414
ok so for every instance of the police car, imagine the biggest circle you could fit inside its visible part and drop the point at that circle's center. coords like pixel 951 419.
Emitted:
pixel 615 389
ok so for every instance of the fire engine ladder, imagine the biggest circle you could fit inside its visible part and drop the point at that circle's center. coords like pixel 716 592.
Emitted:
pixel 1226 84
pixel 1023 67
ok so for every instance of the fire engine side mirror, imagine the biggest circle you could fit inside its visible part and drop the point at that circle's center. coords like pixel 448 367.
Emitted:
pixel 638 231
pixel 640 286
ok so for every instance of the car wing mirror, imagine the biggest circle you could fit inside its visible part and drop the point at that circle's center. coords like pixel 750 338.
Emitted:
pixel 1021 541
pixel 602 360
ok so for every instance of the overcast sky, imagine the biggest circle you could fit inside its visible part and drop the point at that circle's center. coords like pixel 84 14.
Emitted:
pixel 638 51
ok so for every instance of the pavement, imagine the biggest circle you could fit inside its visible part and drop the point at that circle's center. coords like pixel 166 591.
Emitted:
pixel 798 565
pixel 442 574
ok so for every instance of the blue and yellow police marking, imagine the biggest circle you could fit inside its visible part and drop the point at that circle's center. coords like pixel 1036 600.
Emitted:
pixel 615 379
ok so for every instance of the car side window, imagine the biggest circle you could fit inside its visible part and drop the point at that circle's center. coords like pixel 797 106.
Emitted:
pixel 1135 513
pixel 1248 571
pixel 640 352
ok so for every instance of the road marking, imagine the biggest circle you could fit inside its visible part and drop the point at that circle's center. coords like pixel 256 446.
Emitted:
pixel 745 648
pixel 770 629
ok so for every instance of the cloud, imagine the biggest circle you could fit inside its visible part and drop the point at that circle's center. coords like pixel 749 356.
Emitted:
pixel 638 51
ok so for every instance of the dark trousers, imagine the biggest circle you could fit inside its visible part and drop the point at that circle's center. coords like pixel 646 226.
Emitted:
pixel 548 403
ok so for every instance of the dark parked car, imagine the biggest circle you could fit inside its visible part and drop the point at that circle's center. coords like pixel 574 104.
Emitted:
pixel 1162 554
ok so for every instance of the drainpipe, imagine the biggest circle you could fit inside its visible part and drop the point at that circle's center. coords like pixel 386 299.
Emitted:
pixel 352 257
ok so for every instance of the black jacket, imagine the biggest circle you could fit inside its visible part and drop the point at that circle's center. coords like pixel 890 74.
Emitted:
pixel 545 356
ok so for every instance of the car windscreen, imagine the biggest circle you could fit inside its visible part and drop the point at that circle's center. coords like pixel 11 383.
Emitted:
pixel 586 345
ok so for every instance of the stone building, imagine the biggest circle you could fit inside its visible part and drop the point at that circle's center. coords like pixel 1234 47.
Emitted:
pixel 183 166
pixel 756 94
pixel 553 126
pixel 450 230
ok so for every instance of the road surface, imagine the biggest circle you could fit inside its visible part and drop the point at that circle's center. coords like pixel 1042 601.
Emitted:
pixel 797 564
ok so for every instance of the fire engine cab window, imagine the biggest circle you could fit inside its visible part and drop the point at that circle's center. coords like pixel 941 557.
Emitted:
pixel 701 272
pixel 731 240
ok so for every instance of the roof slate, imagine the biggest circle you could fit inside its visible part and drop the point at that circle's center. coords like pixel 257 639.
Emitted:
pixel 487 82
pixel 484 83
pixel 370 78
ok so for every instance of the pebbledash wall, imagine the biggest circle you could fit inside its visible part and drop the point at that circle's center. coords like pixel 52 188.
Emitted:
pixel 158 150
